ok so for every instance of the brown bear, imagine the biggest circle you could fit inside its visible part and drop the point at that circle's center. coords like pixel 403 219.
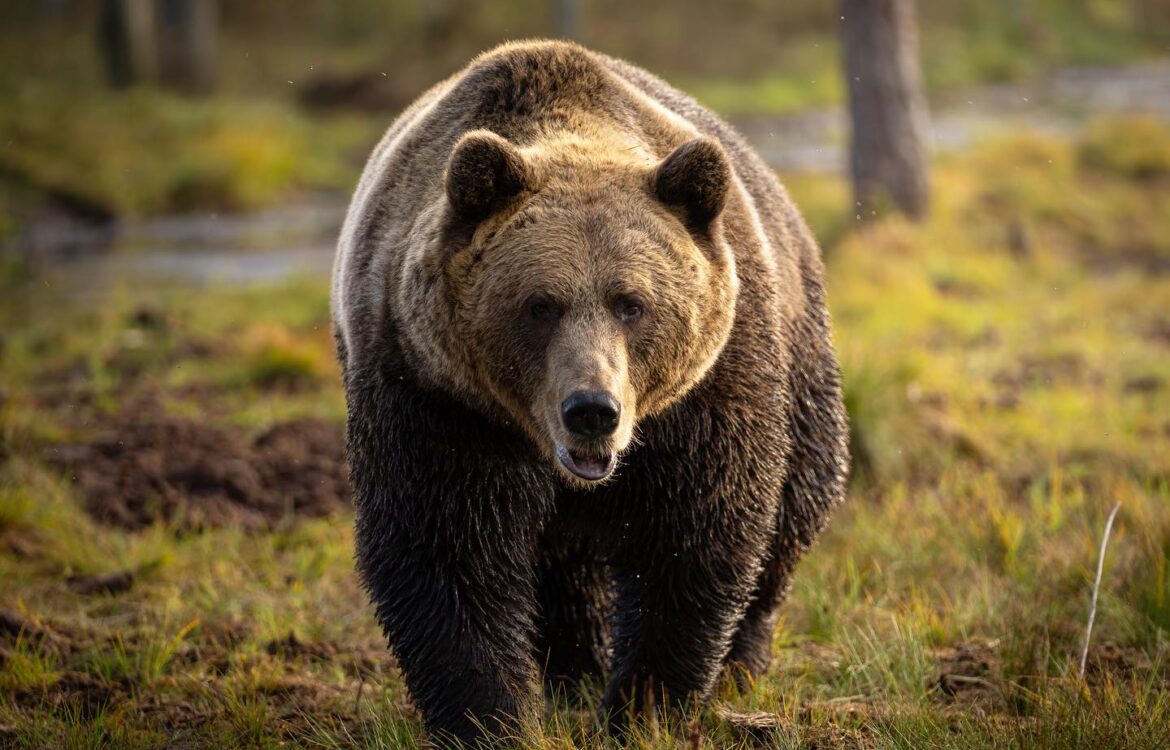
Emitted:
pixel 595 415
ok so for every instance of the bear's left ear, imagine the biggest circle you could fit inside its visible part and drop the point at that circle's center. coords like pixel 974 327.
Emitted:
pixel 696 178
pixel 484 172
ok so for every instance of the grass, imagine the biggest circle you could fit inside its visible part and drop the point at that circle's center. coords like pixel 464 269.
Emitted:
pixel 1008 380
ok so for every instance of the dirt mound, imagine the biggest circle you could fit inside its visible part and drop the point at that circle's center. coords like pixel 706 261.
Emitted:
pixel 139 471
pixel 967 675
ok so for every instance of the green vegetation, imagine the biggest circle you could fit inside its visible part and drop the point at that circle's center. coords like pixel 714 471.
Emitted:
pixel 962 44
pixel 151 153
pixel 1008 378
pixel 64 136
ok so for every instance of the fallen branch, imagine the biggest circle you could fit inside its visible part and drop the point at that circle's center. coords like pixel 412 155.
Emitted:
pixel 1096 588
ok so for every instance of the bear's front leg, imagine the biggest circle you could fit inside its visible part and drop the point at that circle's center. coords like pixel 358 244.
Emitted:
pixel 677 607
pixel 448 510
pixel 573 640
pixel 461 629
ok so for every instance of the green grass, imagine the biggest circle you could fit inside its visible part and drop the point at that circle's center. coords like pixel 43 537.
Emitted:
pixel 1007 373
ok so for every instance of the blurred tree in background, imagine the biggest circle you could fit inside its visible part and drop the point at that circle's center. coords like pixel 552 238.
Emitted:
pixel 128 41
pixel 187 44
pixel 172 42
pixel 568 18
pixel 741 55
pixel 887 108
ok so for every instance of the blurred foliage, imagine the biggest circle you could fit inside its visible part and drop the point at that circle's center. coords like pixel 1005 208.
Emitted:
pixel 147 152
pixel 276 357
pixel 64 135
pixel 1132 147
pixel 963 40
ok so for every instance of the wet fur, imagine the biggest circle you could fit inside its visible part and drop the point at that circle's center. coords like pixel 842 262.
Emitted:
pixel 486 567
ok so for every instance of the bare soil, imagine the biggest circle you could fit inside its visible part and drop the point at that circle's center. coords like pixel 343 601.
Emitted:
pixel 137 471
pixel 968 675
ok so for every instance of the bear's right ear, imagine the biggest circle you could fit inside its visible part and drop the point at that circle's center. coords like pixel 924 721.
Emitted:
pixel 484 172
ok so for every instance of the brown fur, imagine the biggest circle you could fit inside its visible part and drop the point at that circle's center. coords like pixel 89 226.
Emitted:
pixel 578 214
pixel 504 234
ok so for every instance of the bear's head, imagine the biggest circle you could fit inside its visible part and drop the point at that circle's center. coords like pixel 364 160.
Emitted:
pixel 581 285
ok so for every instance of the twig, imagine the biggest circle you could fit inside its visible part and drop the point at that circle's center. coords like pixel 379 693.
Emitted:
pixel 1096 587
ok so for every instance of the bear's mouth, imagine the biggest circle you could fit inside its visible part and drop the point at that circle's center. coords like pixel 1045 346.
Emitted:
pixel 586 465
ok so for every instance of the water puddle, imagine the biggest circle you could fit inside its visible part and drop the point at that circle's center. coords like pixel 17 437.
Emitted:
pixel 193 250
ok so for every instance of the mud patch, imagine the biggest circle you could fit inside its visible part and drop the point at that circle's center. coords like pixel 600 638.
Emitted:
pixel 1144 384
pixel 839 728
pixel 1158 331
pixel 291 647
pixel 82 694
pixel 108 583
pixel 13 626
pixel 138 471
pixel 357 661
pixel 1110 662
pixel 1068 368
pixel 967 675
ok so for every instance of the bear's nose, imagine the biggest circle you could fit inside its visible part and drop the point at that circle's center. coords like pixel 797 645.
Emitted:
pixel 590 414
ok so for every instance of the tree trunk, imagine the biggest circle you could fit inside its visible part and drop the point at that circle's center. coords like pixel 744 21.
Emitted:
pixel 127 40
pixel 439 21
pixel 887 108
pixel 187 44
pixel 567 18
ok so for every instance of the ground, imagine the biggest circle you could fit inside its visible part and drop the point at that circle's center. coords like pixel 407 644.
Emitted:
pixel 1007 369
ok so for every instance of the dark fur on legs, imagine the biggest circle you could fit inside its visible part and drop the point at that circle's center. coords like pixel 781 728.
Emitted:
pixel 572 635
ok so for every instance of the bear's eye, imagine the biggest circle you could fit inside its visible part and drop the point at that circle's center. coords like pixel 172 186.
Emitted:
pixel 543 309
pixel 628 309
